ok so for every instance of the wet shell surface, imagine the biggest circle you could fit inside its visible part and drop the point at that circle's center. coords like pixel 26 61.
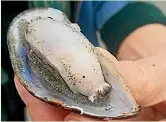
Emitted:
pixel 57 64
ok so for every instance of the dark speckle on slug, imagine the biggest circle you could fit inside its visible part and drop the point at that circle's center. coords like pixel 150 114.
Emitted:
pixel 23 20
pixel 26 30
pixel 50 17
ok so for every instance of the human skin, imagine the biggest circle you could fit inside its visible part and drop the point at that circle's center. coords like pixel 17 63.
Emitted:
pixel 141 63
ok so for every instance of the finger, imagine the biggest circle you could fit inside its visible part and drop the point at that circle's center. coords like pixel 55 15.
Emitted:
pixel 37 109
pixel 76 117
pixel 161 107
pixel 145 78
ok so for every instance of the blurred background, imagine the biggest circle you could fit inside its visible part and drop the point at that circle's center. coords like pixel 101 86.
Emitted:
pixel 12 107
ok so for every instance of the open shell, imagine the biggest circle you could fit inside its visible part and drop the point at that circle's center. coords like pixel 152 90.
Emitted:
pixel 50 85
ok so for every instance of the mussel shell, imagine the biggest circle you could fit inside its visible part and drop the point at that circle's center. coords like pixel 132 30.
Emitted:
pixel 40 82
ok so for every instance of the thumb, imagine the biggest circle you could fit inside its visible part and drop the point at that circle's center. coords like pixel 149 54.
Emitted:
pixel 145 78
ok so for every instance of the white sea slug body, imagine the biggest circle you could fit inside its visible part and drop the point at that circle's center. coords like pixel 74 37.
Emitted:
pixel 71 53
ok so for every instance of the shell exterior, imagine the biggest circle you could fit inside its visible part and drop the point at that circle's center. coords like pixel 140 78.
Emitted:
pixel 45 73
